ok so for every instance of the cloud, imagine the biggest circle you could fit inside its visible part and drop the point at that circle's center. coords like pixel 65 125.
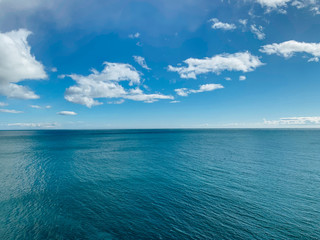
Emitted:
pixel 105 84
pixel 67 113
pixel 273 4
pixel 33 125
pixel 228 78
pixel 258 31
pixel 17 64
pixel 35 106
pixel 54 69
pixel 175 101
pixel 141 61
pixel 203 88
pixel 40 107
pixel 138 95
pixel 117 102
pixel 3 104
pixel 294 121
pixel 216 24
pixel 242 61
pixel 242 78
pixel 289 48
pixel 10 111
pixel 243 22
pixel 135 35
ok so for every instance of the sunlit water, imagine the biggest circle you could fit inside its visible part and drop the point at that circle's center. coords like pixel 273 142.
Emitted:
pixel 160 184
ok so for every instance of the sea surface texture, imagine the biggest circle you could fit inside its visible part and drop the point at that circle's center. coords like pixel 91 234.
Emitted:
pixel 160 184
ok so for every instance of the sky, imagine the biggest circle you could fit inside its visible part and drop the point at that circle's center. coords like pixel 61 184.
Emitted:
pixel 112 64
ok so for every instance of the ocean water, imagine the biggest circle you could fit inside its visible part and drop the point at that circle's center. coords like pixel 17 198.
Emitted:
pixel 160 184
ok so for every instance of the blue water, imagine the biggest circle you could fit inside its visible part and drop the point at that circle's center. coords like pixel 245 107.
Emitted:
pixel 160 184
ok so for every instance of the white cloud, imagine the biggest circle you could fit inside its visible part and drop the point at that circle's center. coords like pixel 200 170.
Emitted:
pixel 242 78
pixel 105 84
pixel 54 69
pixel 117 102
pixel 273 4
pixel 242 61
pixel 228 78
pixel 289 48
pixel 294 121
pixel 67 113
pixel 134 35
pixel 33 125
pixel 141 61
pixel 216 24
pixel 138 95
pixel 243 22
pixel 3 104
pixel 40 107
pixel 35 106
pixel 203 88
pixel 258 31
pixel 175 101
pixel 314 59
pixel 17 64
pixel 10 111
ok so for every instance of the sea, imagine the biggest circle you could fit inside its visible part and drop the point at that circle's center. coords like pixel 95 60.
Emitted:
pixel 160 184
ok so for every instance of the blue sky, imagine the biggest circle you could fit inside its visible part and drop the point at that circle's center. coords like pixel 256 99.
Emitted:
pixel 159 64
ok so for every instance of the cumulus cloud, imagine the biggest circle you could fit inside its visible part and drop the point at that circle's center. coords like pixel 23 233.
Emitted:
pixel 258 31
pixel 289 48
pixel 67 113
pixel 105 84
pixel 273 3
pixel 18 64
pixel 294 121
pixel 242 61
pixel 242 78
pixel 216 24
pixel 33 125
pixel 141 61
pixel 10 111
pixel 203 88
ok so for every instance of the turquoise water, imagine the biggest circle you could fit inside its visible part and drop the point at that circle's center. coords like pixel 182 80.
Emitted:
pixel 160 184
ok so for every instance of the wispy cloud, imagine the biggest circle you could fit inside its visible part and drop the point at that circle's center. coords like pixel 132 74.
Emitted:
pixel 33 125
pixel 67 113
pixel 40 107
pixel 258 31
pixel 294 121
pixel 203 88
pixel 134 35
pixel 141 61
pixel 242 61
pixel 3 104
pixel 9 111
